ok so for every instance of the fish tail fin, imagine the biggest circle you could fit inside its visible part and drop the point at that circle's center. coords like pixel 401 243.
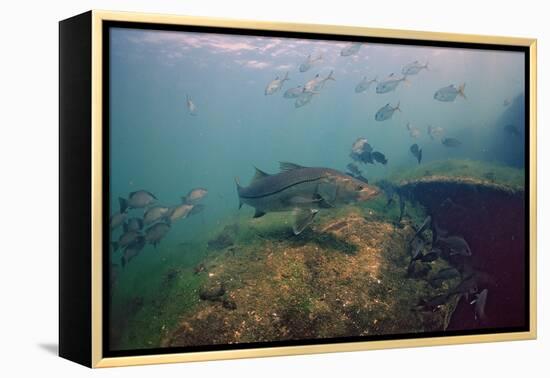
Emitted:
pixel 239 188
pixel 330 77
pixel 426 66
pixel 123 202
pixel 397 107
pixel 286 77
pixel 375 79
pixel 461 90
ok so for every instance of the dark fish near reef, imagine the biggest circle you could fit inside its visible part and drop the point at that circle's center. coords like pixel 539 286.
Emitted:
pixel 386 112
pixel 431 256
pixel 354 171
pixel 133 224
pixel 512 129
pixel 388 188
pixel 275 85
pixel 450 142
pixel 195 195
pixel 427 222
pixel 155 233
pixel 137 200
pixel 117 219
pixel 379 157
pixel 449 93
pixel 302 190
pixel 353 168
pixel 480 302
pixel 364 84
pixel 468 286
pixel 433 304
pixel 125 239
pixel 417 152
pixel 132 250
pixel 155 214
pixel 416 246
pixel 361 151
pixel 351 49
pixel 401 207
pixel 447 274
pixel 456 245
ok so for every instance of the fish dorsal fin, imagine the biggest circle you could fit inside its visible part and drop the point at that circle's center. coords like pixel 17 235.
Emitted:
pixel 286 166
pixel 259 174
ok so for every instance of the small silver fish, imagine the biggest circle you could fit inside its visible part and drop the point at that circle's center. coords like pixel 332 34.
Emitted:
pixel 386 112
pixel 191 107
pixel 351 49
pixel 309 62
pixel 414 68
pixel 304 99
pixel 390 83
pixel 179 212
pixel 480 302
pixel 414 132
pixel 275 85
pixel 294 92
pixel 137 200
pixel 435 132
pixel 449 93
pixel 317 83
pixel 195 195
pixel 364 84
pixel 117 219
pixel 155 214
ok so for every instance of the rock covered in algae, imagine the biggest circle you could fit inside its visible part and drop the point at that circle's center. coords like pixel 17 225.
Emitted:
pixel 346 276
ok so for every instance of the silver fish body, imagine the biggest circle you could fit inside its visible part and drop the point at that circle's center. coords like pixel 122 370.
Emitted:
pixel 386 112
pixel 449 93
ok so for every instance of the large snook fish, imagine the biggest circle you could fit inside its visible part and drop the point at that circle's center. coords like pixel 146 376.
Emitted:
pixel 302 190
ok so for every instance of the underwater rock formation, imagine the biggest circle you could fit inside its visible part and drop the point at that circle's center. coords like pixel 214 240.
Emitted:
pixel 344 277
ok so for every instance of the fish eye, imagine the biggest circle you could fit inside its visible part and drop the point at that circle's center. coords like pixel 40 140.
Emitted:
pixel 359 187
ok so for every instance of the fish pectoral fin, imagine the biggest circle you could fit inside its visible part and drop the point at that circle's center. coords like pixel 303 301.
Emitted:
pixel 258 213
pixel 323 202
pixel 302 219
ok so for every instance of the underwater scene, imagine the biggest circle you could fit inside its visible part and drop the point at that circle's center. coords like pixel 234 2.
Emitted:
pixel 277 189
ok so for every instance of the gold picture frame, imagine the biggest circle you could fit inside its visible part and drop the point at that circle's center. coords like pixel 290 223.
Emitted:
pixel 90 328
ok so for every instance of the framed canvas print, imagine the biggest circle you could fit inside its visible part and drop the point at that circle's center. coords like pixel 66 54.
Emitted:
pixel 235 189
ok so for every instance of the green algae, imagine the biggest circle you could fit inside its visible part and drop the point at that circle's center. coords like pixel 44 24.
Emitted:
pixel 472 169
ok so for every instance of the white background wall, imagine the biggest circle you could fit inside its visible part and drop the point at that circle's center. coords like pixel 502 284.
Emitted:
pixel 28 186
